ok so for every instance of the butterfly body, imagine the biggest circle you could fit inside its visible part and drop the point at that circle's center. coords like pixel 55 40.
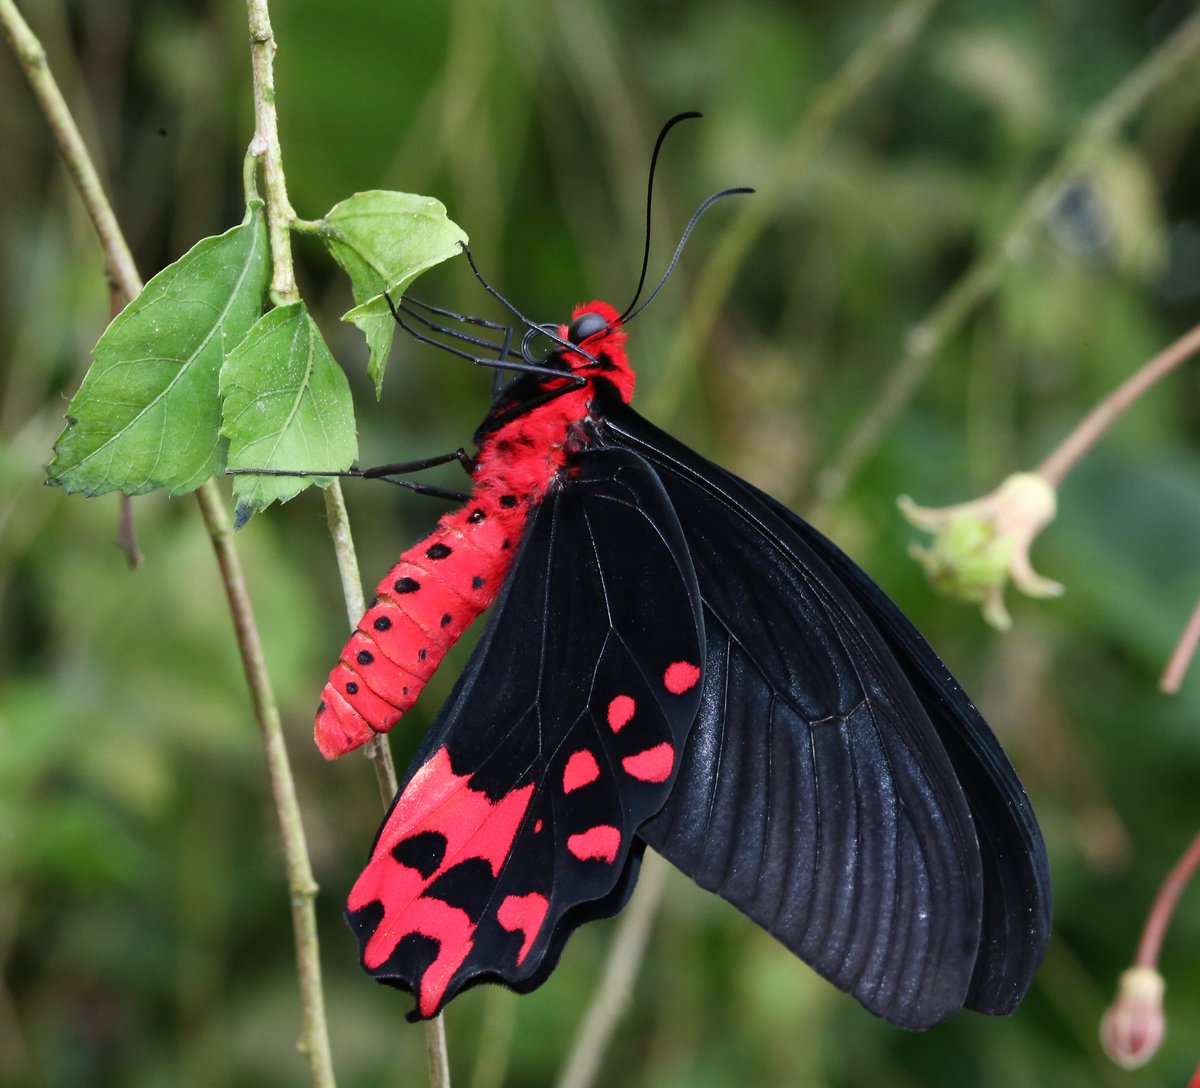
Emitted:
pixel 674 660
pixel 440 585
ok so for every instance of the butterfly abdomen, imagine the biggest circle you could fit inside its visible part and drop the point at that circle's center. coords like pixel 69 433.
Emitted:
pixel 429 598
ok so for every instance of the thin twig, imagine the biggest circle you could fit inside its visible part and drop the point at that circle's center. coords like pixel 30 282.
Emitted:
pixel 493 1055
pixel 1068 452
pixel 1181 658
pixel 302 886
pixel 127 534
pixel 126 284
pixel 338 522
pixel 280 217
pixel 267 149
pixel 1089 430
pixel 119 267
pixel 1164 906
pixel 848 85
pixel 616 987
pixel 983 276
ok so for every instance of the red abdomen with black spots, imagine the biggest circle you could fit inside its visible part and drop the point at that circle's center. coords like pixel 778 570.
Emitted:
pixel 422 606
pixel 429 598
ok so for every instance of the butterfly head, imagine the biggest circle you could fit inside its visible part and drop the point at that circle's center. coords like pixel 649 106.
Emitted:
pixel 596 328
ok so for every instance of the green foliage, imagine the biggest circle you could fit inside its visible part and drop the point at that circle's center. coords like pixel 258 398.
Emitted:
pixel 147 416
pixel 384 241
pixel 144 922
pixel 287 407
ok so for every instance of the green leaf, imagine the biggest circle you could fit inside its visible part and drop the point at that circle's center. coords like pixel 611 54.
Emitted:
pixel 147 416
pixel 287 407
pixel 384 241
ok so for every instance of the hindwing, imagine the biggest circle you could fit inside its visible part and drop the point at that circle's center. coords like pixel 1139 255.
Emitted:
pixel 517 820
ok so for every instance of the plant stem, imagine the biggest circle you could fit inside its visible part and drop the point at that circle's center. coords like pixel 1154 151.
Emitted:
pixel 119 267
pixel 1068 452
pixel 1164 906
pixel 126 284
pixel 1173 674
pixel 616 987
pixel 266 147
pixel 860 72
pixel 280 219
pixel 302 887
pixel 336 518
pixel 1066 455
pixel 983 276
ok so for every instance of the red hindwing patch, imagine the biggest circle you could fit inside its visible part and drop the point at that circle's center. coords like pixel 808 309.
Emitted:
pixel 439 801
pixel 653 765
pixel 524 913
pixel 581 770
pixel 620 711
pixel 680 677
pixel 600 843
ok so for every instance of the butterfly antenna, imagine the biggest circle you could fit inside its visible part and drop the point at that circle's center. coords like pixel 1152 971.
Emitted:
pixel 650 204
pixel 533 327
pixel 682 242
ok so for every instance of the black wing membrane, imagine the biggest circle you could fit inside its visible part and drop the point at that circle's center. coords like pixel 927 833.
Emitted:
pixel 517 819
pixel 838 787
pixel 1016 872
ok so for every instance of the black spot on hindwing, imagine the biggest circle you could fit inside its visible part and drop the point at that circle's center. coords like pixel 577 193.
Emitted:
pixel 423 851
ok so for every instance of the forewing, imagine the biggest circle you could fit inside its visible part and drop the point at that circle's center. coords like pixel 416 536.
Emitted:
pixel 517 819
pixel 815 793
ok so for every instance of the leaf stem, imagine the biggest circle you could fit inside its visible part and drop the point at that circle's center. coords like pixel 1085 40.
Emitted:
pixel 983 276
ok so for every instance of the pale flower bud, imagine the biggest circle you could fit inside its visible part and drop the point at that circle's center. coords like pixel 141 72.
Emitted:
pixel 978 546
pixel 1134 1025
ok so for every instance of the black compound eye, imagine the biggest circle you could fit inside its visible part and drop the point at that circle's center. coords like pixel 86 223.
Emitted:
pixel 585 325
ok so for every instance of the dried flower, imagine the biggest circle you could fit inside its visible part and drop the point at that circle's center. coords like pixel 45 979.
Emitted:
pixel 978 546
pixel 1134 1025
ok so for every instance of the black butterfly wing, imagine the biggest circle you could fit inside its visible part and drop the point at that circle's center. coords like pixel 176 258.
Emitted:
pixel 1016 872
pixel 832 784
pixel 517 819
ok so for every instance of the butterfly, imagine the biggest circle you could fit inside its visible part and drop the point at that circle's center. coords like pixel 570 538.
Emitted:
pixel 673 660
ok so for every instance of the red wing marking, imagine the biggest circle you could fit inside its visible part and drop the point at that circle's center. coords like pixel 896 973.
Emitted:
pixel 580 770
pixel 620 710
pixel 440 801
pixel 680 677
pixel 452 929
pixel 537 827
pixel 525 913
pixel 652 765
pixel 596 843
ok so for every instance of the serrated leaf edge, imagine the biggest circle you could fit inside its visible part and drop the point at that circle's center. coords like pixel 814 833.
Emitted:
pixel 246 266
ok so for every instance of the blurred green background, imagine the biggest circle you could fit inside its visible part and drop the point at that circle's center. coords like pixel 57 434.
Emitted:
pixel 144 926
